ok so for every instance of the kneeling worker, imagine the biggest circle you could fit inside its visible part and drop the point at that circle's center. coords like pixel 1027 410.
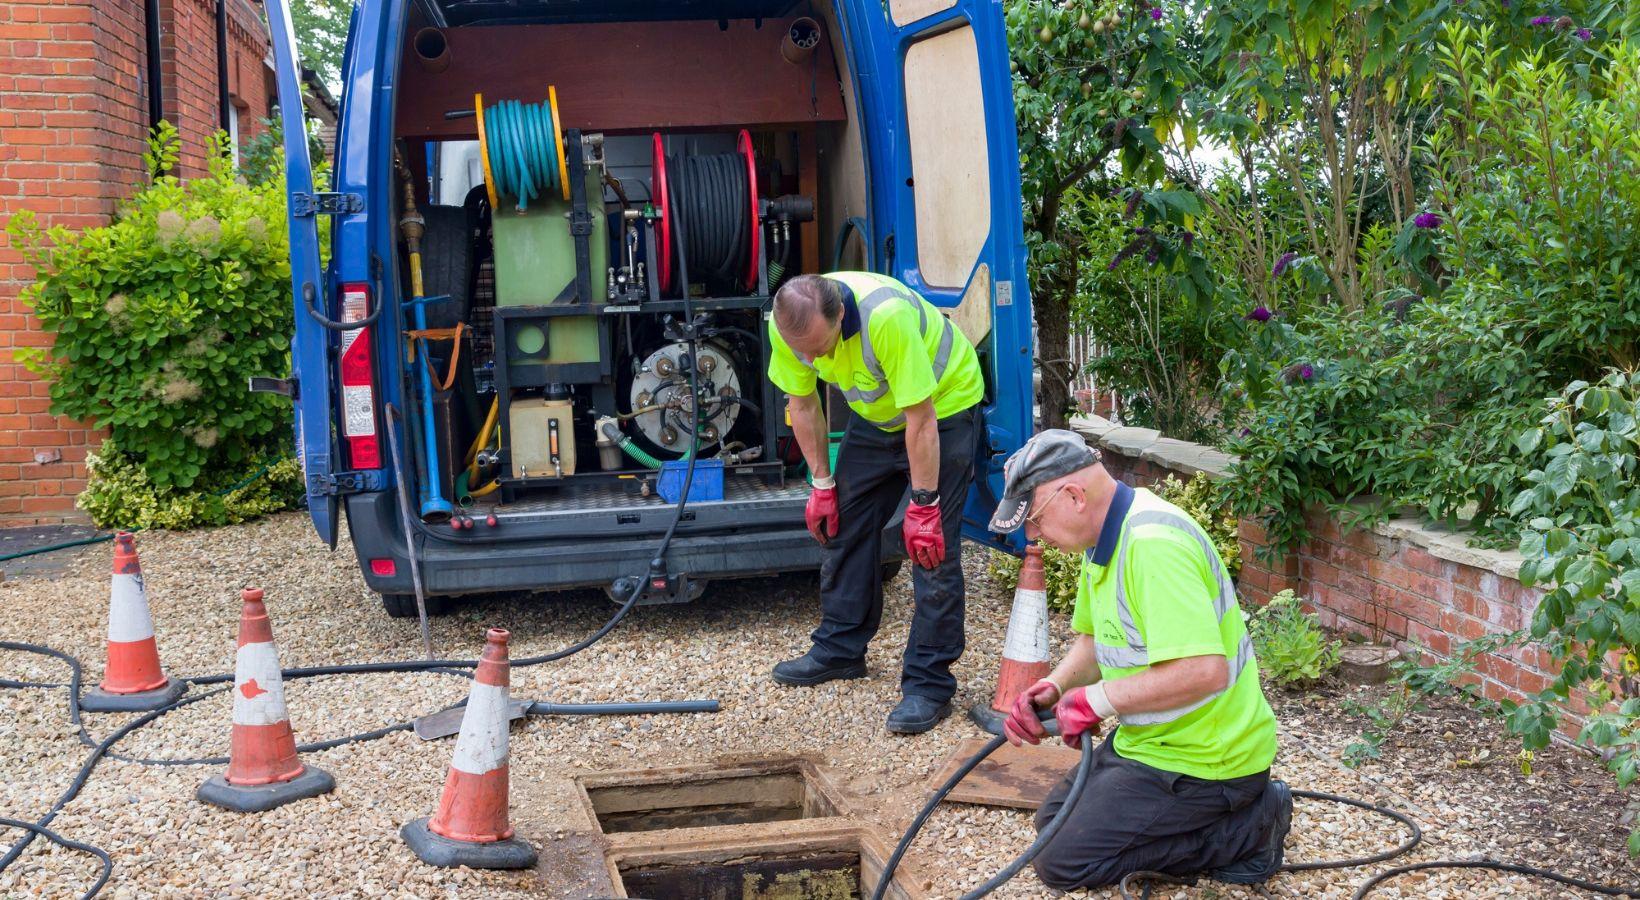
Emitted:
pixel 913 386
pixel 1183 786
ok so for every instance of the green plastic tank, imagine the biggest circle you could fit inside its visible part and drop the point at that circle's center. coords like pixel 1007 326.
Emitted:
pixel 535 253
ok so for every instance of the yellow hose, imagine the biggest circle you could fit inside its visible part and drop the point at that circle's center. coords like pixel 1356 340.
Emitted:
pixel 483 438
pixel 486 489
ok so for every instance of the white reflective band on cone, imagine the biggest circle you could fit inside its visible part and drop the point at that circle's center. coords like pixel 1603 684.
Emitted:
pixel 258 691
pixel 482 746
pixel 1027 639
pixel 128 618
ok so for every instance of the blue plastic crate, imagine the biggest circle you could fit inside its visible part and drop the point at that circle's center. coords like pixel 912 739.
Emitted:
pixel 707 483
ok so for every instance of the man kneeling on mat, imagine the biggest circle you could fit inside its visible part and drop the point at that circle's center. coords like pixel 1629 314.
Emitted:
pixel 1183 786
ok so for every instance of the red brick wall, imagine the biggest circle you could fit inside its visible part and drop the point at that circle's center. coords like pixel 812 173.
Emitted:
pixel 73 122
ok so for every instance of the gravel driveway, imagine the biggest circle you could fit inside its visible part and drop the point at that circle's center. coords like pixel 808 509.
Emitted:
pixel 165 844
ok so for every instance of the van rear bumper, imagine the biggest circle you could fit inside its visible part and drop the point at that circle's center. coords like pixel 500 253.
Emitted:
pixel 474 564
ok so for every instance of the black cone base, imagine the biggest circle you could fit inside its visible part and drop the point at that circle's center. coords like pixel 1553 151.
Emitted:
pixel 438 850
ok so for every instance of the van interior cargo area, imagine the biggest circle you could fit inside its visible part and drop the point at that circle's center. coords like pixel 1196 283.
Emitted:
pixel 593 218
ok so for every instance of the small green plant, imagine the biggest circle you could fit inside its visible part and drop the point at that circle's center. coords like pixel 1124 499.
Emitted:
pixel 1581 541
pixel 119 494
pixel 1291 648
pixel 1061 571
pixel 159 319
pixel 1413 686
pixel 1201 498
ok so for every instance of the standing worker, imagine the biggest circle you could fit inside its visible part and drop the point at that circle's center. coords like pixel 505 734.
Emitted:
pixel 913 385
pixel 1183 786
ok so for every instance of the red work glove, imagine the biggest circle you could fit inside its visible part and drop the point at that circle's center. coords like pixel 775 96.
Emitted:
pixel 1076 716
pixel 821 513
pixel 1022 725
pixel 924 535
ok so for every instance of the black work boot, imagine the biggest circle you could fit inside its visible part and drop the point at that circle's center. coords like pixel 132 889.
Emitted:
pixel 806 671
pixel 1266 861
pixel 916 714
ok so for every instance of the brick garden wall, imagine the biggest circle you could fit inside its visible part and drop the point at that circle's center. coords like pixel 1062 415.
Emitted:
pixel 1401 583
pixel 73 123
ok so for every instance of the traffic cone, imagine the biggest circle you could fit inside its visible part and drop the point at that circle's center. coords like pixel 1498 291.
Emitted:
pixel 470 828
pixel 1025 649
pixel 263 771
pixel 133 680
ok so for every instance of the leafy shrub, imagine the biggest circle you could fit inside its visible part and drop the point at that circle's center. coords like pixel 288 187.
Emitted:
pixel 119 494
pixel 1581 538
pixel 161 317
pixel 1415 683
pixel 1292 649
pixel 1415 400
pixel 1201 498
pixel 1061 571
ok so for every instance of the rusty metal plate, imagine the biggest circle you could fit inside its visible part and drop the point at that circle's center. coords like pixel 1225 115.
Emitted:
pixel 1019 777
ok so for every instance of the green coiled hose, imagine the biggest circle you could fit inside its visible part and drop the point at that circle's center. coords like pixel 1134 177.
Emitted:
pixel 519 142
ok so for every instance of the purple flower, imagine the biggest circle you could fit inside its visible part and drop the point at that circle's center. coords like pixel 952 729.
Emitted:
pixel 1427 220
pixel 1155 14
pixel 1297 372
pixel 1282 263
pixel 1246 431
pixel 1260 313
pixel 1583 34
pixel 1543 20
pixel 1306 373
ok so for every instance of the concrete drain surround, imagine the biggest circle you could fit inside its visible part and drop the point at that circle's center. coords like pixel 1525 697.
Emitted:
pixel 743 794
pixel 812 876
pixel 770 829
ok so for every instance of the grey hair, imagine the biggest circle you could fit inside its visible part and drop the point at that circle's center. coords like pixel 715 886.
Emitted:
pixel 801 299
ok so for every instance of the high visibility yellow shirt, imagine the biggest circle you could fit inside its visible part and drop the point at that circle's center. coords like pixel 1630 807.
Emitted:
pixel 896 350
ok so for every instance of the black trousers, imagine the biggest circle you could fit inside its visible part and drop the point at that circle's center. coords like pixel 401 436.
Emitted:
pixel 873 481
pixel 1133 817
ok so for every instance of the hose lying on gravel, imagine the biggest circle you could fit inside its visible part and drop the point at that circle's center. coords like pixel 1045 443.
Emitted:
pixel 1416 836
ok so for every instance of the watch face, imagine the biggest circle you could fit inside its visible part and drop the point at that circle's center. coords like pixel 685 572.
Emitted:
pixel 924 498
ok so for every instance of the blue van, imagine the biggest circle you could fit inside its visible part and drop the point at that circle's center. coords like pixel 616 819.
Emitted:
pixel 555 228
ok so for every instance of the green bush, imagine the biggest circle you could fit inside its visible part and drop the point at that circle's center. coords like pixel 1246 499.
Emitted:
pixel 1580 538
pixel 1061 571
pixel 1292 649
pixel 119 494
pixel 1522 260
pixel 1201 498
pixel 161 317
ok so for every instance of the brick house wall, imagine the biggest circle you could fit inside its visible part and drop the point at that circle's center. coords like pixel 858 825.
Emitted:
pixel 1418 588
pixel 73 127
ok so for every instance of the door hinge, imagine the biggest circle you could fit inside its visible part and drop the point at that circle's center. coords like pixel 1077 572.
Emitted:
pixel 261 384
pixel 324 203
pixel 336 484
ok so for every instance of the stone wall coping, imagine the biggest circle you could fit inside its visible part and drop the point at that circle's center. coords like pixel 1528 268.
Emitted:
pixel 1188 459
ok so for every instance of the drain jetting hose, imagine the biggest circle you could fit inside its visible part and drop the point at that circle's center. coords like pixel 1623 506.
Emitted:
pixel 1079 781
pixel 523 160
pixel 709 200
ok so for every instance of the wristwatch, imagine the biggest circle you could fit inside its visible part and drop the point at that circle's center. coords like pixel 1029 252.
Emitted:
pixel 925 498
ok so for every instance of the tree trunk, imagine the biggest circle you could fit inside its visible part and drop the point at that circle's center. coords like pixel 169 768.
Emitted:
pixel 1053 352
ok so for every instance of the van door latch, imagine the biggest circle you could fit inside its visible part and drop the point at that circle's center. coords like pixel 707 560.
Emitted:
pixel 336 484
pixel 324 203
pixel 261 384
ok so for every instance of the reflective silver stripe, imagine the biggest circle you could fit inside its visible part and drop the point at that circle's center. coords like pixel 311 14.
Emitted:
pixel 871 396
pixel 1121 657
pixel 867 307
pixel 1244 652
pixel 942 356
pixel 1136 653
pixel 1226 600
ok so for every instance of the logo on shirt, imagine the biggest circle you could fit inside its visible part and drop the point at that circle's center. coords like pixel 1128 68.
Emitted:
pixel 1110 634
pixel 864 381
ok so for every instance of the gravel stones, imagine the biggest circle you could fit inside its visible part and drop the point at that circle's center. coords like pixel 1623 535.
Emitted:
pixel 346 844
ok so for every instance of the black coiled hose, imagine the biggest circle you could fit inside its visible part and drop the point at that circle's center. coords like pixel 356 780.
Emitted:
pixel 710 202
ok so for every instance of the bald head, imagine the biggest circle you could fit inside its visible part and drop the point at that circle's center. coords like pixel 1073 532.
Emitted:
pixel 808 312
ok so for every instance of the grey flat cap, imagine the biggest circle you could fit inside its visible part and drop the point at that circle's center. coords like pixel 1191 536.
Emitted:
pixel 1048 455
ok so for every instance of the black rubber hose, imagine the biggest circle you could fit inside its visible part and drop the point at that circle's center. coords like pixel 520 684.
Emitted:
pixel 711 204
pixel 1567 880
pixel 101 854
pixel 1084 766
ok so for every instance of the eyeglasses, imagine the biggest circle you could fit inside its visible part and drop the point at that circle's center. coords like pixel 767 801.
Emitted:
pixel 1034 518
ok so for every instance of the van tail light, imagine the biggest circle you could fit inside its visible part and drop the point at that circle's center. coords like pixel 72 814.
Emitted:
pixel 358 382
